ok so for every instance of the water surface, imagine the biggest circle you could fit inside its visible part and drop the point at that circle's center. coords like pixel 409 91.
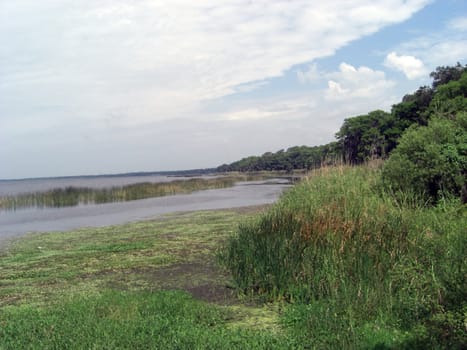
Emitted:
pixel 14 187
pixel 16 223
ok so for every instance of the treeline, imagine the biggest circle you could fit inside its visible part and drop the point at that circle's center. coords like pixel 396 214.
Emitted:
pixel 376 134
pixel 298 157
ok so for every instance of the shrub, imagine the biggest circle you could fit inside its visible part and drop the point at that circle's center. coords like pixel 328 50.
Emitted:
pixel 359 269
pixel 430 161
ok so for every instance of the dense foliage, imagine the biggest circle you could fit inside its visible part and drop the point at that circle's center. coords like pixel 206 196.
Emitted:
pixel 430 161
pixel 298 157
pixel 358 268
pixel 361 259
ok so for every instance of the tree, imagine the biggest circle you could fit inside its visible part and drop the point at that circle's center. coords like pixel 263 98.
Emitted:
pixel 443 75
pixel 361 138
pixel 430 161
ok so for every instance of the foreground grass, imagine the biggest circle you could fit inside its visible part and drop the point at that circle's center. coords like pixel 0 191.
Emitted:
pixel 122 320
pixel 151 284
pixel 358 268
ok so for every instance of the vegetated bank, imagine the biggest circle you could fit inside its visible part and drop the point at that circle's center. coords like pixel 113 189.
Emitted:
pixel 375 134
pixel 371 256
pixel 358 267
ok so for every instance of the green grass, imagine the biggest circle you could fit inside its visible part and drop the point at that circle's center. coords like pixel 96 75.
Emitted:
pixel 358 268
pixel 41 267
pixel 152 284
pixel 123 320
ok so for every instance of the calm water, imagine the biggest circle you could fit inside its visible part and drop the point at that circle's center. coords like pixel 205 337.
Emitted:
pixel 16 223
pixel 13 187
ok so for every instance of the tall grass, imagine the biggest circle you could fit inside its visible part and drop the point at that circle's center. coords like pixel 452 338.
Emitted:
pixel 360 267
pixel 72 196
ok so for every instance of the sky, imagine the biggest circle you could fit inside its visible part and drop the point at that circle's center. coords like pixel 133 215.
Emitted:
pixel 115 86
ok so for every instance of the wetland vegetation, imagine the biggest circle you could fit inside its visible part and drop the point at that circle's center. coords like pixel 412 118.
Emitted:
pixel 153 284
pixel 72 196
pixel 358 267
pixel 337 262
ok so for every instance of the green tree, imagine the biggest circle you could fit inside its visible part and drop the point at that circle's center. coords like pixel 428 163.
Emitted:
pixel 443 75
pixel 450 98
pixel 430 161
pixel 360 138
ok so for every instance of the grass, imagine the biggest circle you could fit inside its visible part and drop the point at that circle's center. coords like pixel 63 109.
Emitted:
pixel 152 284
pixel 72 196
pixel 132 257
pixel 122 320
pixel 358 268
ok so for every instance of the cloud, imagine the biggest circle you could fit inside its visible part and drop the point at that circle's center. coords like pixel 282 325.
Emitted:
pixel 154 55
pixel 444 47
pixel 459 24
pixel 411 66
pixel 311 74
pixel 356 83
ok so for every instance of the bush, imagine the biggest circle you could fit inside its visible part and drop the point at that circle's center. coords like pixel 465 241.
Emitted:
pixel 430 161
pixel 357 268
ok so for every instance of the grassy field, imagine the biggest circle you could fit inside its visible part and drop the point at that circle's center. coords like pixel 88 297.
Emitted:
pixel 153 284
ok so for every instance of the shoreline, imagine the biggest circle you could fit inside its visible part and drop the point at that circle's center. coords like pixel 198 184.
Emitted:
pixel 21 222
pixel 6 242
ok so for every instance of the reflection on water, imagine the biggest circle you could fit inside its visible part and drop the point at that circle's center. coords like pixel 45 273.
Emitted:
pixel 61 219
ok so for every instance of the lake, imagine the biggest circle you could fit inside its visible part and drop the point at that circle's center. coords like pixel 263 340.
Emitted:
pixel 22 221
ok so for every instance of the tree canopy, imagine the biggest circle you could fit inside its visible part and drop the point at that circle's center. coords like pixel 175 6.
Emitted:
pixel 425 130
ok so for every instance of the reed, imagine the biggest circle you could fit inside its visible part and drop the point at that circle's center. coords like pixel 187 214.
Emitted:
pixel 72 196
pixel 354 261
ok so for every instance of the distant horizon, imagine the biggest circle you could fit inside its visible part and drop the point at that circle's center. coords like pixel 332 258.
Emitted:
pixel 131 173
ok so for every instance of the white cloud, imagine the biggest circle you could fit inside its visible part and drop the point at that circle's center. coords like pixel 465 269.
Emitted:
pixel 158 54
pixel 459 23
pixel 309 75
pixel 449 52
pixel 411 66
pixel 443 48
pixel 354 83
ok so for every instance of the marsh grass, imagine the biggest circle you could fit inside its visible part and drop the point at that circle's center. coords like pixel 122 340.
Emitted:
pixel 358 266
pixel 72 196
pixel 152 284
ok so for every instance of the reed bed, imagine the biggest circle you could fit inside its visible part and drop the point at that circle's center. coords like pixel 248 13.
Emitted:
pixel 357 267
pixel 73 196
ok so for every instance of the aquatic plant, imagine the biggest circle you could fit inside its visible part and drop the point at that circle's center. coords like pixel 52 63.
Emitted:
pixel 72 196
